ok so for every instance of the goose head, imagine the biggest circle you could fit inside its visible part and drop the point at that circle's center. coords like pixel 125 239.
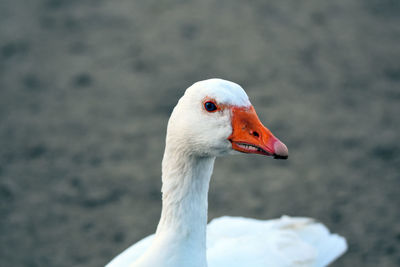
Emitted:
pixel 215 118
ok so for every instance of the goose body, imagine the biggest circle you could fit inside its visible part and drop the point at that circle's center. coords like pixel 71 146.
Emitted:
pixel 215 118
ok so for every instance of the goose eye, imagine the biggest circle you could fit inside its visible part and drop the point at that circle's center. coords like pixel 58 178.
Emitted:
pixel 210 106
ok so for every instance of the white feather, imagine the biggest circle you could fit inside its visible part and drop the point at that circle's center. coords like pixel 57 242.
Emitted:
pixel 239 242
pixel 183 239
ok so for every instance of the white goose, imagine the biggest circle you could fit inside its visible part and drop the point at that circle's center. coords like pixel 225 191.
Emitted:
pixel 215 118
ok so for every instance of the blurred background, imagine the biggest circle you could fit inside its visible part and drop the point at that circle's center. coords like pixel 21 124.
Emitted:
pixel 86 89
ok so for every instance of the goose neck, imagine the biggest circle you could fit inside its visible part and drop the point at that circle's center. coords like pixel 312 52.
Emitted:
pixel 182 227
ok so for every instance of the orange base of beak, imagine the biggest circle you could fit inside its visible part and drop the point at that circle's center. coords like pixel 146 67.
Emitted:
pixel 249 135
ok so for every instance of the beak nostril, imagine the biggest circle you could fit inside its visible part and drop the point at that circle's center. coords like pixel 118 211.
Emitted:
pixel 255 134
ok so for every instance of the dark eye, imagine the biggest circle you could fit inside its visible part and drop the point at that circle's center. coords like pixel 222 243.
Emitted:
pixel 210 106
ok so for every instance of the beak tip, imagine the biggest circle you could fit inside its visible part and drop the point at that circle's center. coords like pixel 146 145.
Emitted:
pixel 280 157
pixel 281 151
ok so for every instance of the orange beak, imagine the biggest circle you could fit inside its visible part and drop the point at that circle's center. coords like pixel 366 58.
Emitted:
pixel 249 135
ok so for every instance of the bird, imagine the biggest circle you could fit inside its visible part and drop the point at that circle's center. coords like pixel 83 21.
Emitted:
pixel 215 118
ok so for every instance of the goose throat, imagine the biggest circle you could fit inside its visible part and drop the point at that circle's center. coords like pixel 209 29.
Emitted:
pixel 185 195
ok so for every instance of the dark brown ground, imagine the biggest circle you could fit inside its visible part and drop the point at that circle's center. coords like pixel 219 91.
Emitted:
pixel 86 88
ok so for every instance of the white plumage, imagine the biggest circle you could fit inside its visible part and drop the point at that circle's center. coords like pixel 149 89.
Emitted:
pixel 239 242
pixel 195 136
